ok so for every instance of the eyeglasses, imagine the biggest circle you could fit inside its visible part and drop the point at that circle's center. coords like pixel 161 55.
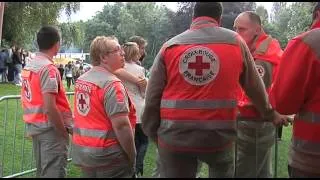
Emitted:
pixel 119 49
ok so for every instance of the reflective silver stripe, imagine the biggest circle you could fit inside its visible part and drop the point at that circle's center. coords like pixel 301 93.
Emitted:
pixel 37 128
pixel 264 46
pixel 196 124
pixel 97 156
pixel 33 110
pixel 101 134
pixel 309 117
pixel 306 146
pixel 198 104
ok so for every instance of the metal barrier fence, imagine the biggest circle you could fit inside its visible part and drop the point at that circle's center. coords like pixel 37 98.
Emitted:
pixel 17 161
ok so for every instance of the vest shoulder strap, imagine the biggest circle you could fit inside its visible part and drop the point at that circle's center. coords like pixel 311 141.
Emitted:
pixel 99 78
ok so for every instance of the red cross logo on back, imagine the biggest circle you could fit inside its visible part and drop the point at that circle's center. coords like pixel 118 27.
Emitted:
pixel 199 65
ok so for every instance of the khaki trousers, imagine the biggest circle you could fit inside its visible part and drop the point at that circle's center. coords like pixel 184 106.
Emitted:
pixel 254 149
pixel 50 151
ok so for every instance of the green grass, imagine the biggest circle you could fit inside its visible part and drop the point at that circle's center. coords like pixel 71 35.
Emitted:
pixel 13 142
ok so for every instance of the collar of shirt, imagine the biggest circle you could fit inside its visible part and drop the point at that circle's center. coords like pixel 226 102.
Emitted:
pixel 101 69
pixel 40 54
pixel 258 40
pixel 203 21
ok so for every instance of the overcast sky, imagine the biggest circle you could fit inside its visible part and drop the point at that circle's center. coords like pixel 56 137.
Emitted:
pixel 89 9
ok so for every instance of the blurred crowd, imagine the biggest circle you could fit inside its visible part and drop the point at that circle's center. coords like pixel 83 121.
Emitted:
pixel 12 60
pixel 71 71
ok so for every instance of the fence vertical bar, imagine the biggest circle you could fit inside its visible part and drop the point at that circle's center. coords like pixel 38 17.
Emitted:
pixel 4 135
pixel 14 137
pixel 276 154
pixel 24 140
pixel 31 161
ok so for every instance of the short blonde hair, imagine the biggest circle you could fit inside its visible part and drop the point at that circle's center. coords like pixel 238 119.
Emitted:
pixel 100 47
pixel 131 50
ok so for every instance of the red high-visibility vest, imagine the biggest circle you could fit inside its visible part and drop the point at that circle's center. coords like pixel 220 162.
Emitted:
pixel 32 98
pixel 203 67
pixel 92 126
pixel 268 50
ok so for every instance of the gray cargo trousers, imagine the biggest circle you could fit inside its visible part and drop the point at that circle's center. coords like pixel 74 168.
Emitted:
pixel 156 170
pixel 50 151
pixel 254 149
pixel 185 164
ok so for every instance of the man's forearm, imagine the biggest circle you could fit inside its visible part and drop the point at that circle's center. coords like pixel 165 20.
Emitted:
pixel 125 137
pixel 254 87
pixel 123 74
pixel 55 117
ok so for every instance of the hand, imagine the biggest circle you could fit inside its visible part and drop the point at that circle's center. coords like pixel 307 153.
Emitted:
pixel 280 120
pixel 69 130
pixel 290 119
pixel 142 83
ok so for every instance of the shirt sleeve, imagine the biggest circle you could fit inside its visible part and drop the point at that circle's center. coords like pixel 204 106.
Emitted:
pixel 252 83
pixel 116 100
pixel 49 80
pixel 292 85
pixel 156 84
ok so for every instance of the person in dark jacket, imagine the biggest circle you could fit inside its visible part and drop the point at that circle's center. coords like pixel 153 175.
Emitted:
pixel 61 70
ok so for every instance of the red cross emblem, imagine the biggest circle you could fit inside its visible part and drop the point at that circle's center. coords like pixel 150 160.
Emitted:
pixel 83 102
pixel 199 66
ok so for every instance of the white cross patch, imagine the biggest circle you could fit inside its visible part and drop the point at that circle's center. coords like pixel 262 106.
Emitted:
pixel 199 65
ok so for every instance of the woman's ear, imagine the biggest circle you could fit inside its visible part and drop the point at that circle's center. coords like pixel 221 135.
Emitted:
pixel 102 58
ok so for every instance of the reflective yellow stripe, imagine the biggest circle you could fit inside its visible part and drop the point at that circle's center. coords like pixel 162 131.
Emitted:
pixel 198 104
pixel 101 134
pixel 309 117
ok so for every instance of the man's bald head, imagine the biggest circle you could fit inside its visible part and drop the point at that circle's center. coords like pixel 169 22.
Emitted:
pixel 248 25
pixel 251 17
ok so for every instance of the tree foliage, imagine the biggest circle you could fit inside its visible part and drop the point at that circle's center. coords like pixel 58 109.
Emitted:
pixel 263 13
pixel 155 23
pixel 289 20
pixel 144 19
pixel 22 19
pixel 232 9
